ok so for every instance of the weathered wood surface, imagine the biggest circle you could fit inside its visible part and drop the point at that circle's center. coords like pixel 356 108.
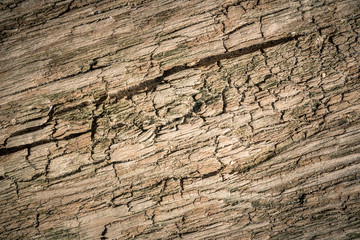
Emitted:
pixel 172 119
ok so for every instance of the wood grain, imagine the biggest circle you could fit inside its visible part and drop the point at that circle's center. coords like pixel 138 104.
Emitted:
pixel 182 119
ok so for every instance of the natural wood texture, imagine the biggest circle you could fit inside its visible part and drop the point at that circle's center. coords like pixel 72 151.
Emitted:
pixel 179 119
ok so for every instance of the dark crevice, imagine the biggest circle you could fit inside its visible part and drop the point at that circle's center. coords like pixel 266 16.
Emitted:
pixel 302 198
pixel 197 107
pixel 275 12
pixel 14 182
pixel 147 86
pixel 92 64
pixel 65 175
pixel 51 113
pixel 242 51
pixel 68 109
pixel 5 151
pixel 150 85
pixel 27 159
pixel 35 176
pixel 223 98
pixel 28 130
pixel 33 129
pixel 211 174
pixel 103 234
pixel 239 27
pixel 68 8
pixel 37 223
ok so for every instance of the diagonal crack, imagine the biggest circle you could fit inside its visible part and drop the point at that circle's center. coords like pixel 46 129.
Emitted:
pixel 151 84
pixel 5 151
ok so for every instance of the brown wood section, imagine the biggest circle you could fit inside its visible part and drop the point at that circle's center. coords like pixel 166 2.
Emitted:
pixel 170 119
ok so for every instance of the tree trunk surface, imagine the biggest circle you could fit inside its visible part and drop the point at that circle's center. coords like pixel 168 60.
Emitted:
pixel 167 119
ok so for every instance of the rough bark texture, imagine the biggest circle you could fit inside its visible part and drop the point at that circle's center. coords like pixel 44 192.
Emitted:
pixel 166 119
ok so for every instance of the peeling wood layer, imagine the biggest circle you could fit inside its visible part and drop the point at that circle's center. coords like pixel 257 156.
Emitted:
pixel 179 119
